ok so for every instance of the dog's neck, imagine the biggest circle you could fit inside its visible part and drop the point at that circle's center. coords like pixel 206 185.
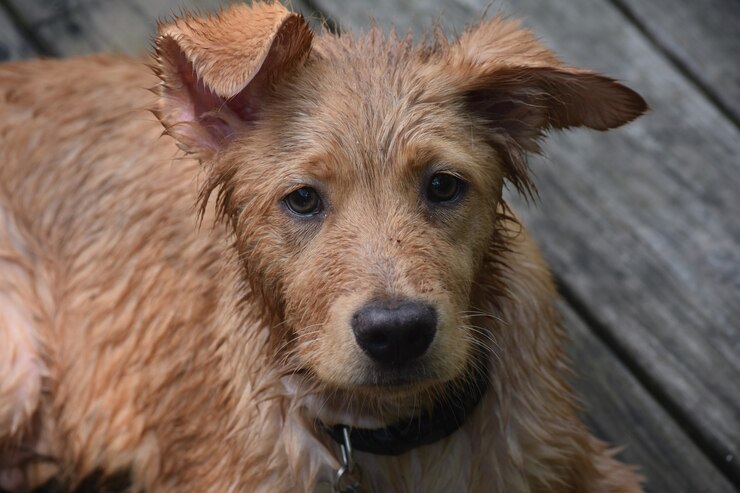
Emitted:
pixel 383 435
pixel 447 416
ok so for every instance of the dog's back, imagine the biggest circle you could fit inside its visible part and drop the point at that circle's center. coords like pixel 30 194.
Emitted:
pixel 98 241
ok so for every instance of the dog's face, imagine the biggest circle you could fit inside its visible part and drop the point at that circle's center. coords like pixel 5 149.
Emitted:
pixel 363 178
pixel 365 210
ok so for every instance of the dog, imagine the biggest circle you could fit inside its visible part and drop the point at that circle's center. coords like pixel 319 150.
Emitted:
pixel 289 266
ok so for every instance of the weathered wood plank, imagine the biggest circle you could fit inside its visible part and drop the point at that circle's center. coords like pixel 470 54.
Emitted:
pixel 78 27
pixel 637 223
pixel 704 37
pixel 619 410
pixel 12 44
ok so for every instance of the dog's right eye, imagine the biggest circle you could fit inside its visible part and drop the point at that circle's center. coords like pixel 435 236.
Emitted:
pixel 444 187
pixel 304 201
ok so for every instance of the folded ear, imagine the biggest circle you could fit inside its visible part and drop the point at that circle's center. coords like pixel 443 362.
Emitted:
pixel 524 101
pixel 216 71
pixel 519 89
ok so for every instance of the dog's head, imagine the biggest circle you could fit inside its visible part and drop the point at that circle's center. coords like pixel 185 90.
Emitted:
pixel 363 176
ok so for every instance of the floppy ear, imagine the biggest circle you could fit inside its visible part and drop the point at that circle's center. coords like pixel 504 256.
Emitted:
pixel 520 90
pixel 217 70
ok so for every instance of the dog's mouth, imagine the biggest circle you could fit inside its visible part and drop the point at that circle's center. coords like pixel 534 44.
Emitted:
pixel 396 381
pixel 408 377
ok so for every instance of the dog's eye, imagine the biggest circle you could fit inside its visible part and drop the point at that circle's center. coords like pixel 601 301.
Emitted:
pixel 444 187
pixel 304 201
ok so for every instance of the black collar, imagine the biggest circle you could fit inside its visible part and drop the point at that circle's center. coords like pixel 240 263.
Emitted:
pixel 445 418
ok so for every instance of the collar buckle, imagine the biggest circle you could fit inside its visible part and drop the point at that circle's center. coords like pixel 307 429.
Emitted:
pixel 348 475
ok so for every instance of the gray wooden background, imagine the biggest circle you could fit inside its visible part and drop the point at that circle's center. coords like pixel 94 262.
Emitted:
pixel 641 225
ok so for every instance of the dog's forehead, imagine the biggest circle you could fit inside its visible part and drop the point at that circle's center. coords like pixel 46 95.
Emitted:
pixel 365 102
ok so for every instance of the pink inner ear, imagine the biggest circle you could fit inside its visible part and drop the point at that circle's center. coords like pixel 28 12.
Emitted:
pixel 210 119
pixel 218 71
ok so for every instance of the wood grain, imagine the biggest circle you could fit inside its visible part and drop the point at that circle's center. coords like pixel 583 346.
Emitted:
pixel 619 410
pixel 13 45
pixel 637 223
pixel 703 37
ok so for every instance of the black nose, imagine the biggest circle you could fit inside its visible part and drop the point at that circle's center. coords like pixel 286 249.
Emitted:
pixel 393 331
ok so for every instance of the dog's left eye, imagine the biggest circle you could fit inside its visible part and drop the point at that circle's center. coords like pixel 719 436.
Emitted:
pixel 304 201
pixel 444 187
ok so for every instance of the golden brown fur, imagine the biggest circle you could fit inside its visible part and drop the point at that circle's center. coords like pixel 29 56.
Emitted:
pixel 196 349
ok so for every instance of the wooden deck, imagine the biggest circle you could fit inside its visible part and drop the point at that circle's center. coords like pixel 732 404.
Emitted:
pixel 641 225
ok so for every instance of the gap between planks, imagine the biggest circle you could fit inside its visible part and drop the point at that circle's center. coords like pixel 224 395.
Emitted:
pixel 704 87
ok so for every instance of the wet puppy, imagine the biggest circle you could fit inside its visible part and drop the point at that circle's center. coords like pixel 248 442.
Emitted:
pixel 311 275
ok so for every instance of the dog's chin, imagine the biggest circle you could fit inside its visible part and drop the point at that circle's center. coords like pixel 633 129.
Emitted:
pixel 397 380
pixel 397 392
pixel 383 399
pixel 372 396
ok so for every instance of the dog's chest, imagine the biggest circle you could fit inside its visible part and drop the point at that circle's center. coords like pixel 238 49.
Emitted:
pixel 410 474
